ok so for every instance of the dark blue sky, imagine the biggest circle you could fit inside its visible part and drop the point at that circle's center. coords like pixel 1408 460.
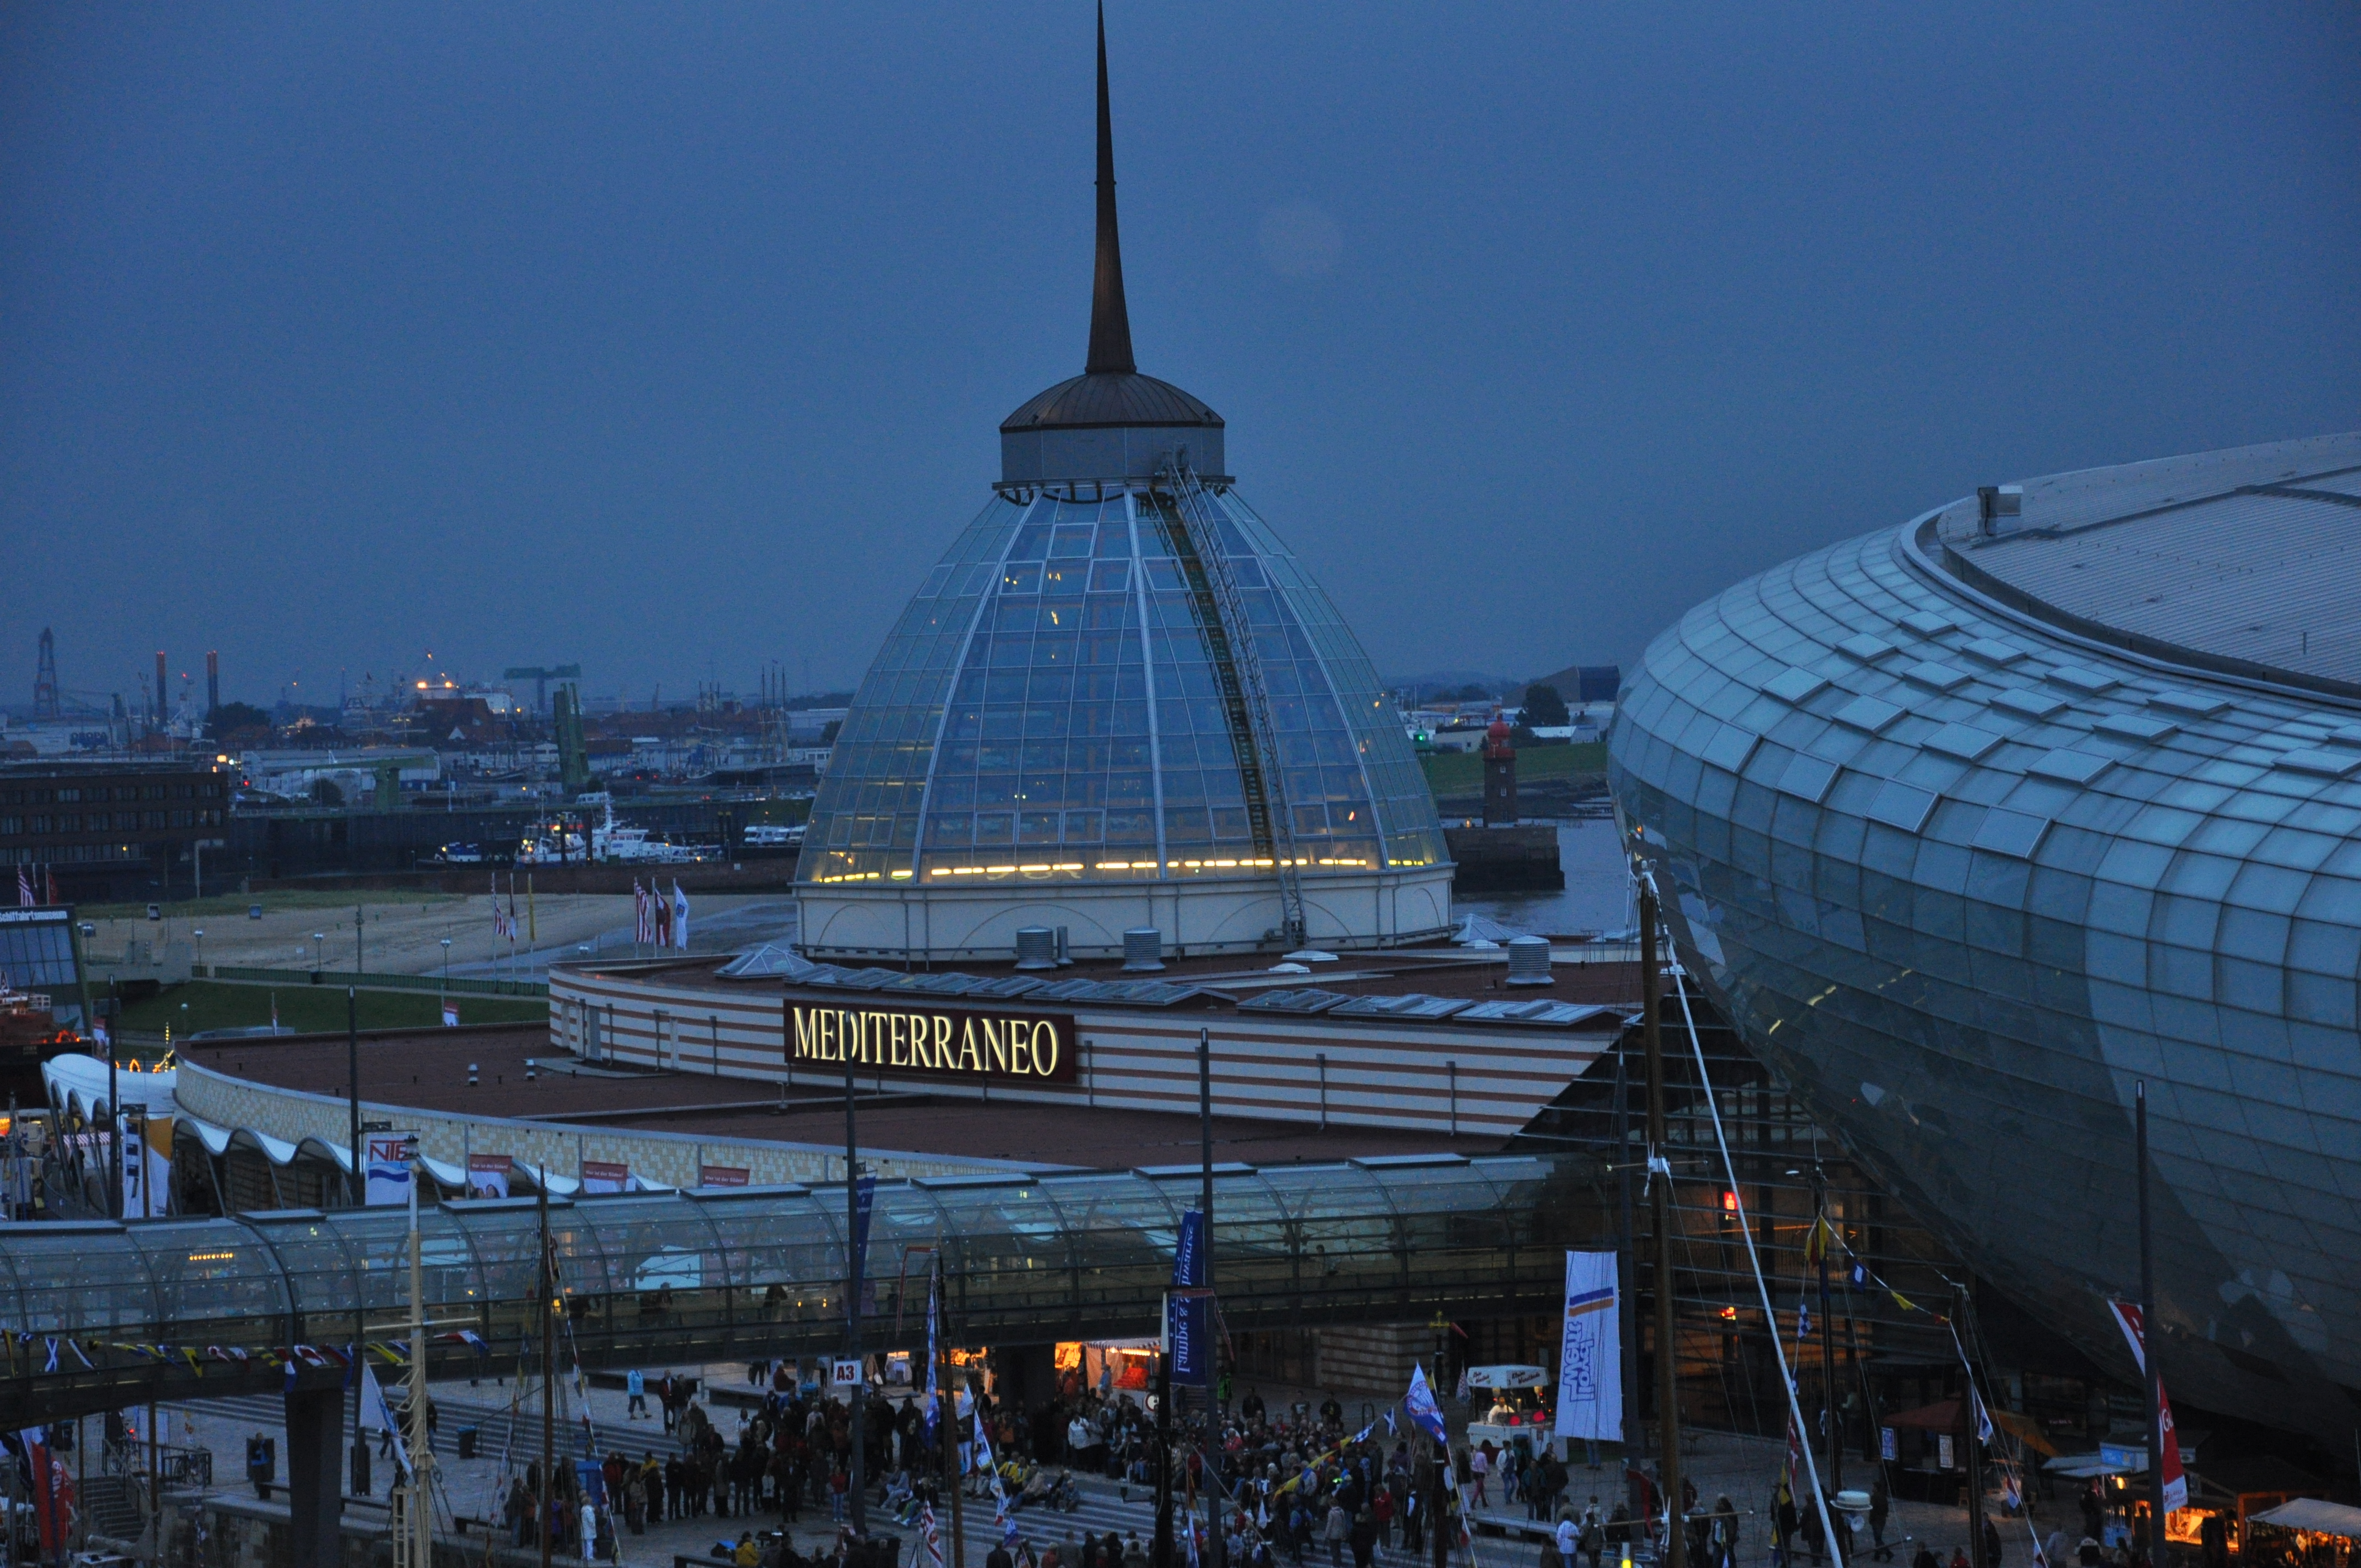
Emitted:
pixel 673 339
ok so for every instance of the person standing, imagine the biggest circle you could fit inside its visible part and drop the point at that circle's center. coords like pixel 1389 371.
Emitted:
pixel 1880 1507
pixel 635 1384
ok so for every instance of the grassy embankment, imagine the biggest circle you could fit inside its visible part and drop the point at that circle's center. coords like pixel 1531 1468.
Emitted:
pixel 1462 773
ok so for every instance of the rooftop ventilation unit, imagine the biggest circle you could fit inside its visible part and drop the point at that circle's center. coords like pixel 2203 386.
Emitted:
pixel 1037 947
pixel 1143 951
pixel 1529 961
pixel 1995 502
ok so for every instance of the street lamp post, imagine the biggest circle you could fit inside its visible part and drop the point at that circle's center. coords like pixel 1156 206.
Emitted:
pixel 319 949
pixel 201 952
pixel 446 967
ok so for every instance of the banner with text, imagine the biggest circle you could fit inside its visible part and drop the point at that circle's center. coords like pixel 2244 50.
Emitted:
pixel 386 1158
pixel 606 1176
pixel 488 1175
pixel 1591 1360
pixel 1189 1335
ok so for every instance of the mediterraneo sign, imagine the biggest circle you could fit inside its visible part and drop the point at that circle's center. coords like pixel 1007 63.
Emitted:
pixel 942 1042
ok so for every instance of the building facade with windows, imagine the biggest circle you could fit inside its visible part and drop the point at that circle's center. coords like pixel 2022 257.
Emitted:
pixel 1977 825
pixel 97 832
pixel 1119 701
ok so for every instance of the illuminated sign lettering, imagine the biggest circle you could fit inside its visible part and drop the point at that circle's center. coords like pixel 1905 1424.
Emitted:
pixel 935 1042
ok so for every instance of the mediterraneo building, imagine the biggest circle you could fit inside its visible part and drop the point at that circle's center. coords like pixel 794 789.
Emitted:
pixel 1118 702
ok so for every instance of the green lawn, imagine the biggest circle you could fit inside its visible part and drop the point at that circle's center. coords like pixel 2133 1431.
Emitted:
pixel 218 1005
pixel 1462 773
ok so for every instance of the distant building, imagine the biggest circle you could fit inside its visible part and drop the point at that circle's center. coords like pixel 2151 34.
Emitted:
pixel 108 832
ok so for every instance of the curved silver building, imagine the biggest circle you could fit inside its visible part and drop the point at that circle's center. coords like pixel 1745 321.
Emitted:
pixel 1119 701
pixel 1973 825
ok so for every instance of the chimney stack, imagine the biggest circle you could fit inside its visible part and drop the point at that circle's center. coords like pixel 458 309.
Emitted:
pixel 163 707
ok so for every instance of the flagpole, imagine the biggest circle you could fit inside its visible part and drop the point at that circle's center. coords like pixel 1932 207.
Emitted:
pixel 1828 1339
pixel 1216 1546
pixel 1660 1187
pixel 2152 1334
pixel 547 1284
pixel 859 1503
pixel 946 1416
pixel 1971 1436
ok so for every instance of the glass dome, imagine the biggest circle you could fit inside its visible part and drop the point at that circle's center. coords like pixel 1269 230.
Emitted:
pixel 1048 709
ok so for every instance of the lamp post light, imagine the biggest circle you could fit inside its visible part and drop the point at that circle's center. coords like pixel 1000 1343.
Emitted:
pixel 319 949
pixel 201 952
pixel 446 965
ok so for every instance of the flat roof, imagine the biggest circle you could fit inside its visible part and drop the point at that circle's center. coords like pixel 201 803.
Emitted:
pixel 1460 973
pixel 2245 561
pixel 428 1068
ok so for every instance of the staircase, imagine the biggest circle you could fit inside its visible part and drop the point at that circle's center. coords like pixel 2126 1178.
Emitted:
pixel 110 1508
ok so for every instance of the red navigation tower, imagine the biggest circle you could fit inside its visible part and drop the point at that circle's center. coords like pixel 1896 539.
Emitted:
pixel 1500 776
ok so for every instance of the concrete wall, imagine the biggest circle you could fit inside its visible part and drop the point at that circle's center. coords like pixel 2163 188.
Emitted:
pixel 1368 909
pixel 1480 1078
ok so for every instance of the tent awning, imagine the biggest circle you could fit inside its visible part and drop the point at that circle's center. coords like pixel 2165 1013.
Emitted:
pixel 2313 1514
pixel 1943 1415
pixel 2025 1430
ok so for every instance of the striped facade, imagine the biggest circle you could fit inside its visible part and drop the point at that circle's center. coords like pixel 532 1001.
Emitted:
pixel 1478 1079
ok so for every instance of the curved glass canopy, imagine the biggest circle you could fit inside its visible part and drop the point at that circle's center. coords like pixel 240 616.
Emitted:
pixel 1049 708
pixel 656 1276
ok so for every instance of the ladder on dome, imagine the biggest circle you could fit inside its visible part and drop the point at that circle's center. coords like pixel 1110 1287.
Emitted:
pixel 1238 675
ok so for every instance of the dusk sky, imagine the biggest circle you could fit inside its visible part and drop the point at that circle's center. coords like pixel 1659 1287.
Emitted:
pixel 673 339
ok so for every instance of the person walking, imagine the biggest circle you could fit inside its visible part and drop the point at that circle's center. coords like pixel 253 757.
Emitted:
pixel 1880 1507
pixel 1338 1532
pixel 636 1384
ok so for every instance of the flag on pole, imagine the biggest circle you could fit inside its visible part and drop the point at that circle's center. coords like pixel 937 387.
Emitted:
pixel 1421 1407
pixel 52 873
pixel 934 1543
pixel 679 916
pixel 512 914
pixel 2176 1482
pixel 373 1404
pixel 25 886
pixel 934 1403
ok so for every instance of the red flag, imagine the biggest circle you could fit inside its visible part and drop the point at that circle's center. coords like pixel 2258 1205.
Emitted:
pixel 2176 1483
pixel 53 1497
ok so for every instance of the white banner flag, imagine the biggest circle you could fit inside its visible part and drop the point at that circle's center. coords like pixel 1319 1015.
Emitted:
pixel 1590 1363
pixel 376 1409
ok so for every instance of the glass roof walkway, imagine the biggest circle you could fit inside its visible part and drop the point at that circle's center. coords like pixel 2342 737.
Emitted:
pixel 159 1308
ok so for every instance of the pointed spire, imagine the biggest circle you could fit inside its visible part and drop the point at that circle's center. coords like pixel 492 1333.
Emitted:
pixel 1109 322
